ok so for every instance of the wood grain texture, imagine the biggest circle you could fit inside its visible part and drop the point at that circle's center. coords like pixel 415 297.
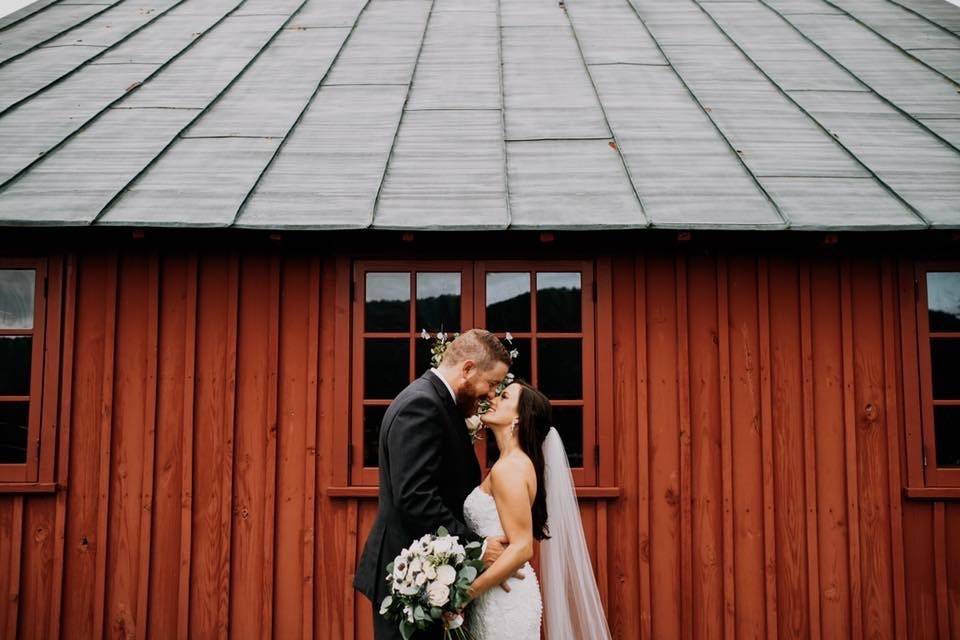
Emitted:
pixel 756 422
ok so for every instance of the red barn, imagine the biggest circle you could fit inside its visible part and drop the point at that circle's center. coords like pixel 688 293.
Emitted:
pixel 724 235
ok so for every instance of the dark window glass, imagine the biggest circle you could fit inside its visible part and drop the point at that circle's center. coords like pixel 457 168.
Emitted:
pixel 945 365
pixel 385 367
pixel 372 419
pixel 508 302
pixel 438 302
pixel 569 423
pixel 946 422
pixel 16 298
pixel 13 432
pixel 560 368
pixel 15 358
pixel 943 300
pixel 387 302
pixel 558 302
pixel 521 364
pixel 423 355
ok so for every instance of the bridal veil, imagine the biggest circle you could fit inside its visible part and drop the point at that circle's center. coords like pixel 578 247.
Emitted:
pixel 572 607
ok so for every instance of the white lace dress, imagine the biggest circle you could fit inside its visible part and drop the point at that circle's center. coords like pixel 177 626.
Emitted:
pixel 497 614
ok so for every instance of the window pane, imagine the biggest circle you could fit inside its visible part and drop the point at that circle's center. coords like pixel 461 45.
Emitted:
pixel 946 422
pixel 13 432
pixel 385 367
pixel 438 302
pixel 16 298
pixel 387 302
pixel 423 355
pixel 943 300
pixel 372 419
pixel 15 365
pixel 945 365
pixel 569 423
pixel 558 302
pixel 521 364
pixel 508 302
pixel 560 368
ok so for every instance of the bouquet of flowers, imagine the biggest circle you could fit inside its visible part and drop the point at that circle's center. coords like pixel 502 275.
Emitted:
pixel 439 346
pixel 428 584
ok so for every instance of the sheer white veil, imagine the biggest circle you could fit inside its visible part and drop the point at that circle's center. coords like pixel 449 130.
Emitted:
pixel 572 607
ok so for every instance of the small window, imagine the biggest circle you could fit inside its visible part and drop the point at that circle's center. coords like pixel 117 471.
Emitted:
pixel 21 367
pixel 939 326
pixel 547 309
pixel 393 304
pixel 545 312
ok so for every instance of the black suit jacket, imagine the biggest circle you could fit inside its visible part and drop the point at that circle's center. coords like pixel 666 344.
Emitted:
pixel 427 469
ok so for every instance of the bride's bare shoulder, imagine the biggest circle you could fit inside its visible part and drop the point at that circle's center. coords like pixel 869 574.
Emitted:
pixel 514 470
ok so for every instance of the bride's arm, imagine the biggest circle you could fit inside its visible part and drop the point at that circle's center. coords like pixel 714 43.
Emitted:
pixel 510 482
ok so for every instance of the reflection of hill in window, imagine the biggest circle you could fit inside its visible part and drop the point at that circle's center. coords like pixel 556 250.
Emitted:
pixel 558 309
pixel 388 315
pixel 943 321
pixel 439 313
pixel 512 314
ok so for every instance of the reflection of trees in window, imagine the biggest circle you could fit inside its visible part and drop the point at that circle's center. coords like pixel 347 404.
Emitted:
pixel 16 355
pixel 943 315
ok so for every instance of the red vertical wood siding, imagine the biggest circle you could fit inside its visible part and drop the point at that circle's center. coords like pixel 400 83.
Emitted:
pixel 757 418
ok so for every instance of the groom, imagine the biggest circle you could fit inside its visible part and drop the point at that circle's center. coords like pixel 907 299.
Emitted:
pixel 427 463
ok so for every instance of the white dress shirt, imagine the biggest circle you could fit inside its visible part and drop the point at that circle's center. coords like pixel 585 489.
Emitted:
pixel 436 372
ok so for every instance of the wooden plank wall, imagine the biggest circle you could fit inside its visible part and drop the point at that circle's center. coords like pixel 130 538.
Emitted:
pixel 758 419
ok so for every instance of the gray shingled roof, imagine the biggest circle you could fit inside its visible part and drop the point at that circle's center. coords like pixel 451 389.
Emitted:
pixel 481 114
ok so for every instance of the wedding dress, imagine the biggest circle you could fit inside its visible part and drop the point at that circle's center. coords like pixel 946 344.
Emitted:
pixel 573 607
pixel 497 614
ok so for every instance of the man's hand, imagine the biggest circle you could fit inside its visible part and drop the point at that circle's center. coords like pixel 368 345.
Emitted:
pixel 494 548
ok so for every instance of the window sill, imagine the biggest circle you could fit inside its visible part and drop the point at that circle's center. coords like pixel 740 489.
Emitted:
pixel 28 487
pixel 932 493
pixel 372 492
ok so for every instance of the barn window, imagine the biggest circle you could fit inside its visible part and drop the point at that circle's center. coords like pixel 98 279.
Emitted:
pixel 21 368
pixel 548 309
pixel 939 324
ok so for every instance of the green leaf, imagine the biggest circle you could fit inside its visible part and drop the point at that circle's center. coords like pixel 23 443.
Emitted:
pixel 407 629
pixel 390 568
pixel 442 532
pixel 468 573
pixel 436 613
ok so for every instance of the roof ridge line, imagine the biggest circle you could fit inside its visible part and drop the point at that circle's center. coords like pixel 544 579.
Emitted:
pixel 202 111
pixel 894 44
pixel 783 216
pixel 72 26
pixel 91 59
pixel 786 95
pixel 503 115
pixel 603 110
pixel 892 104
pixel 403 109
pixel 83 126
pixel 300 116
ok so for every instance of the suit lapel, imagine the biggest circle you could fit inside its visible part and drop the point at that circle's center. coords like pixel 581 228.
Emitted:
pixel 456 418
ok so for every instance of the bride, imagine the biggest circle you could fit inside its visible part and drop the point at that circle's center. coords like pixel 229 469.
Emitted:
pixel 528 495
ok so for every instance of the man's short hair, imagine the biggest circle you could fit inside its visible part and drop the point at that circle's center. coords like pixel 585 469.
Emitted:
pixel 478 345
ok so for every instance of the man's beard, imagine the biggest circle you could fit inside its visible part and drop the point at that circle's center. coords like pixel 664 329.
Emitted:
pixel 467 402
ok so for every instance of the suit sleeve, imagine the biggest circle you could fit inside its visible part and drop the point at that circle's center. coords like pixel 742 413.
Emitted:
pixel 414 444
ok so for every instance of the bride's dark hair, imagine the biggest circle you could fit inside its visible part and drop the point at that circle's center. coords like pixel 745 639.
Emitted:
pixel 533 410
